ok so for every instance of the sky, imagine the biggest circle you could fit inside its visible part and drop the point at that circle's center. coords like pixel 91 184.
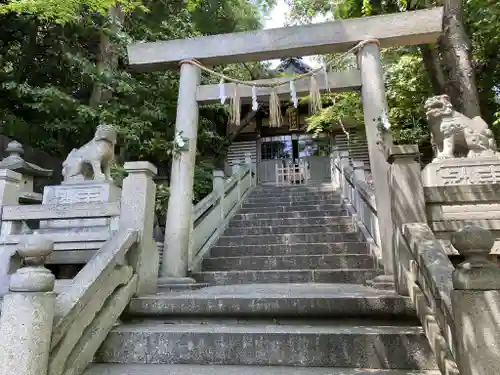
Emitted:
pixel 277 18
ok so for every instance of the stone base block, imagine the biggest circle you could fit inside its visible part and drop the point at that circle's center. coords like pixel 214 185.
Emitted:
pixel 84 192
pixel 462 171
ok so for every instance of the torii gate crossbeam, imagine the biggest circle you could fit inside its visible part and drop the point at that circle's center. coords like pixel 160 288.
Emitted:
pixel 391 30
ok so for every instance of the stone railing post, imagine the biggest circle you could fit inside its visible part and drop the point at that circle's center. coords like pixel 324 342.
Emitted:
pixel 343 162
pixel 28 312
pixel 237 173
pixel 138 213
pixel 476 303
pixel 407 203
pixel 218 190
pixel 357 175
pixel 335 156
pixel 253 170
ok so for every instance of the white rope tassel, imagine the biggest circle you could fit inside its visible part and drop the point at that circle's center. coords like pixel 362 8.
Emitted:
pixel 325 72
pixel 293 93
pixel 275 118
pixel 222 92
pixel 235 107
pixel 314 96
pixel 255 104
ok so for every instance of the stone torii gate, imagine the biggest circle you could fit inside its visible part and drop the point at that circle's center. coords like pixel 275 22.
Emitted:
pixel 408 28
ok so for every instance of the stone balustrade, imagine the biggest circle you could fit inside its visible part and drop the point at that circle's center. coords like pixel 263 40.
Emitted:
pixel 359 198
pixel 54 330
pixel 435 227
pixel 209 219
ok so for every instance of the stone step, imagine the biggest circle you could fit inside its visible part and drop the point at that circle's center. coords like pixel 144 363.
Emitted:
pixel 290 249
pixel 297 207
pixel 351 346
pixel 284 229
pixel 288 238
pixel 288 262
pixel 273 202
pixel 262 198
pixel 294 196
pixel 353 276
pixel 326 187
pixel 290 215
pixel 143 369
pixel 164 288
pixel 276 300
pixel 324 220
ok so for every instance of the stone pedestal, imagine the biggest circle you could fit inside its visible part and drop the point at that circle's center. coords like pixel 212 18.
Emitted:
pixel 84 192
pixel 462 171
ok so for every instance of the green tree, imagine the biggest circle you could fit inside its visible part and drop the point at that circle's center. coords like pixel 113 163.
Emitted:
pixel 58 80
pixel 63 11
pixel 415 73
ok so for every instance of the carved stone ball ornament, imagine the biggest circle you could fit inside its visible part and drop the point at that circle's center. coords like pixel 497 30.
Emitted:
pixel 456 135
pixel 93 160
pixel 476 271
pixel 33 276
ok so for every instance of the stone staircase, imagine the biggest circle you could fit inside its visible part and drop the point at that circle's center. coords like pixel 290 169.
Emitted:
pixel 286 292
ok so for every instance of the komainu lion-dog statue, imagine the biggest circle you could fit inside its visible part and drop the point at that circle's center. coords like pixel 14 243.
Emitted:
pixel 456 135
pixel 93 160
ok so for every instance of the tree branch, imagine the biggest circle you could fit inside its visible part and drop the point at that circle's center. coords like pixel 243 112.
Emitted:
pixel 247 120
pixel 253 77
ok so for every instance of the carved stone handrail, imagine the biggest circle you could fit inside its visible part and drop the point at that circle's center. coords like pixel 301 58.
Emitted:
pixel 87 310
pixel 360 198
pixel 458 307
pixel 429 282
pixel 88 307
pixel 212 214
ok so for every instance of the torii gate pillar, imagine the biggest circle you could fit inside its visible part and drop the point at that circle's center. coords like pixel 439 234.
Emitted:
pixel 180 202
pixel 378 138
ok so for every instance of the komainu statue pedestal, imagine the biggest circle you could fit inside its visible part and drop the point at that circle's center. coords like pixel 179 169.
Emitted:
pixel 462 171
pixel 83 192
pixel 87 179
pixel 465 148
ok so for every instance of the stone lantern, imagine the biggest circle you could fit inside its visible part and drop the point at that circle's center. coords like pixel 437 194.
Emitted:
pixel 15 162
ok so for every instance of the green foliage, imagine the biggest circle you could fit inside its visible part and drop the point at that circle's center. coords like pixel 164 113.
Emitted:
pixel 483 18
pixel 63 11
pixel 337 108
pixel 407 89
pixel 56 86
pixel 203 181
pixel 162 195
pixel 202 187
pixel 407 82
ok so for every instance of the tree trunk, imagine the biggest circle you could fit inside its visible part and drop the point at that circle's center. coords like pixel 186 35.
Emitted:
pixel 247 120
pixel 432 63
pixel 106 58
pixel 456 50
